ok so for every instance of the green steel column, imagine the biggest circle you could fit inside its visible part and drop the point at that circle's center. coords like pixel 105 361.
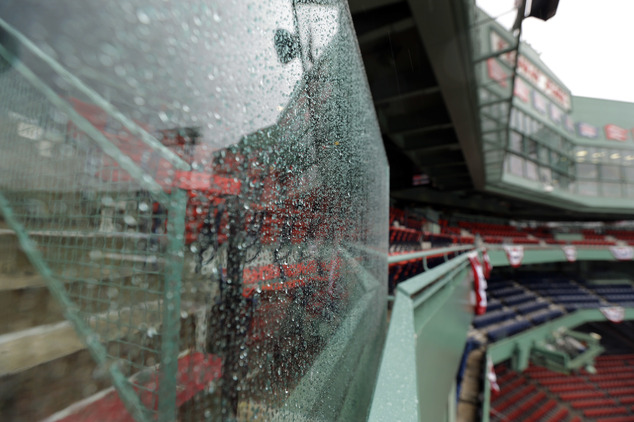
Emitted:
pixel 486 392
pixel 520 358
pixel 171 306
pixel 452 404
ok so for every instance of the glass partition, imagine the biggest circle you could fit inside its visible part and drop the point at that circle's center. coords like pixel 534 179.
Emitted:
pixel 547 146
pixel 608 168
pixel 203 188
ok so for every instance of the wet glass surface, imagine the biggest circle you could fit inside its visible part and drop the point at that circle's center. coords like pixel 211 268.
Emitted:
pixel 198 192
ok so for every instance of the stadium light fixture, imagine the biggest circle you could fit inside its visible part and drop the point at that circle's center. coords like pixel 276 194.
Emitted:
pixel 540 9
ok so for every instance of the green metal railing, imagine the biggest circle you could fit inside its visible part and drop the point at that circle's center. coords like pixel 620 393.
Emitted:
pixel 425 255
pixel 101 223
pixel 425 341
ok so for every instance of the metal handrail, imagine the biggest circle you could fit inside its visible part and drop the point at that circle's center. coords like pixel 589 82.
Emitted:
pixel 422 304
pixel 429 253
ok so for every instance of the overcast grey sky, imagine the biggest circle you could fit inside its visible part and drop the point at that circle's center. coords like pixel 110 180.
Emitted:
pixel 587 44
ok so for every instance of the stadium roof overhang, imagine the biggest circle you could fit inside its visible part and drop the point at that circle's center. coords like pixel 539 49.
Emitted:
pixel 422 77
pixel 416 58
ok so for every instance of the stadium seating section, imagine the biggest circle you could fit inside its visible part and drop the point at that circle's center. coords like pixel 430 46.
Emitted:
pixel 538 394
pixel 533 299
pixel 411 232
pixel 454 231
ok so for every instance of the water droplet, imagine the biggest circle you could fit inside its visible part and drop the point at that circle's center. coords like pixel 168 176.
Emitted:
pixel 142 17
pixel 216 17
pixel 129 220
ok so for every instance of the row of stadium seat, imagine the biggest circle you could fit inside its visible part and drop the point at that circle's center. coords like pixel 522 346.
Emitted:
pixel 498 233
pixel 519 399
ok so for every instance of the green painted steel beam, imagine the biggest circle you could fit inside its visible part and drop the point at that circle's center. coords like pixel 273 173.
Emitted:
pixel 548 254
pixel 425 342
pixel 442 322
pixel 396 393
pixel 531 190
pixel 522 343
pixel 509 347
pixel 170 338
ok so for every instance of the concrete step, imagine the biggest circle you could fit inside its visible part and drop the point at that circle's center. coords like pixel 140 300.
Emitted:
pixel 44 366
pixel 47 368
pixel 195 373
pixel 29 307
pixel 36 393
pixel 12 260
pixel 26 301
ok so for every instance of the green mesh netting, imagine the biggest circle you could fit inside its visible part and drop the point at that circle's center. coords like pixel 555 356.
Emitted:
pixel 90 205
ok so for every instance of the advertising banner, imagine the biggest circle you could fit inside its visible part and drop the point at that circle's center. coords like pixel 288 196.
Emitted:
pixel 556 114
pixel 522 91
pixel 531 73
pixel 540 103
pixel 496 72
pixel 586 130
pixel 615 133
pixel 569 124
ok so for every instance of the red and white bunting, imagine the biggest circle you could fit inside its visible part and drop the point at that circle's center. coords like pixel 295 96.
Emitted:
pixel 514 254
pixel 613 313
pixel 479 284
pixel 570 252
pixel 493 379
pixel 622 253
pixel 487 263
